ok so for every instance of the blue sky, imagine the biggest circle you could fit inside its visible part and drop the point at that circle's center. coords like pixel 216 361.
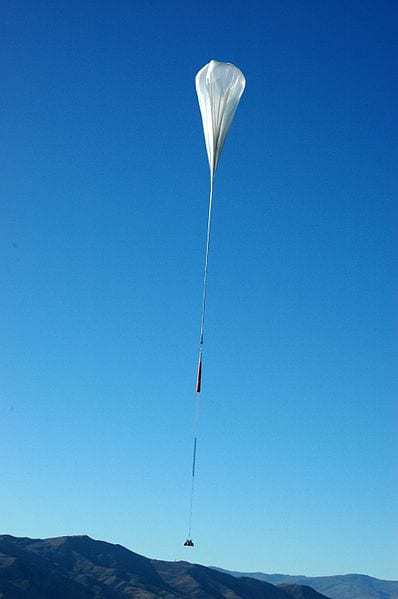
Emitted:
pixel 104 201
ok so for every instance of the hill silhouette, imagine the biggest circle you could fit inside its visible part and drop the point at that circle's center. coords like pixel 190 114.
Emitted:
pixel 79 567
pixel 345 586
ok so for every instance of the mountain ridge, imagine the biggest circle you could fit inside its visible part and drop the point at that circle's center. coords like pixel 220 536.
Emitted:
pixel 339 586
pixel 79 567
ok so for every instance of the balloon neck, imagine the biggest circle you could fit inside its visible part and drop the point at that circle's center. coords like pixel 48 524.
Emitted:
pixel 212 168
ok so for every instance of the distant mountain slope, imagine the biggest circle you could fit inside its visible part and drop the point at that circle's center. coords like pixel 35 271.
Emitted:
pixel 298 591
pixel 82 568
pixel 347 586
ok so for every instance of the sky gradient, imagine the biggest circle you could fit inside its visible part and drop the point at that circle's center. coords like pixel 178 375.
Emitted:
pixel 104 193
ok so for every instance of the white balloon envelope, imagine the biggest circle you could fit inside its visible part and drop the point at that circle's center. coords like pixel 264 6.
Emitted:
pixel 219 86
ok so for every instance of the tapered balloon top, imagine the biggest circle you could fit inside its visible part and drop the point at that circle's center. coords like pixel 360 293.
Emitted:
pixel 219 86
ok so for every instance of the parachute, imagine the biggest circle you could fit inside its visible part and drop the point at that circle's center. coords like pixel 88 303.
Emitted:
pixel 219 87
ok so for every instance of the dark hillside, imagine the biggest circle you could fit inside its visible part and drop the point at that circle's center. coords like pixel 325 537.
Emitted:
pixel 82 568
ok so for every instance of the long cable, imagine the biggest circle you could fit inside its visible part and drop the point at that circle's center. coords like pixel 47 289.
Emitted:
pixel 204 295
pixel 199 373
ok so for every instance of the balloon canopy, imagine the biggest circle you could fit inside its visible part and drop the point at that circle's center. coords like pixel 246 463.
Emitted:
pixel 219 86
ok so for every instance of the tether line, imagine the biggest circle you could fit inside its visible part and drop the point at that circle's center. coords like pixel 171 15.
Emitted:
pixel 204 295
pixel 201 339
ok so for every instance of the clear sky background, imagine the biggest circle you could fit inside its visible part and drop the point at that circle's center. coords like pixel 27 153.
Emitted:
pixel 104 187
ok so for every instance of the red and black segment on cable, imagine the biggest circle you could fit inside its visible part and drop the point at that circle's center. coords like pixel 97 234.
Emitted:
pixel 199 374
